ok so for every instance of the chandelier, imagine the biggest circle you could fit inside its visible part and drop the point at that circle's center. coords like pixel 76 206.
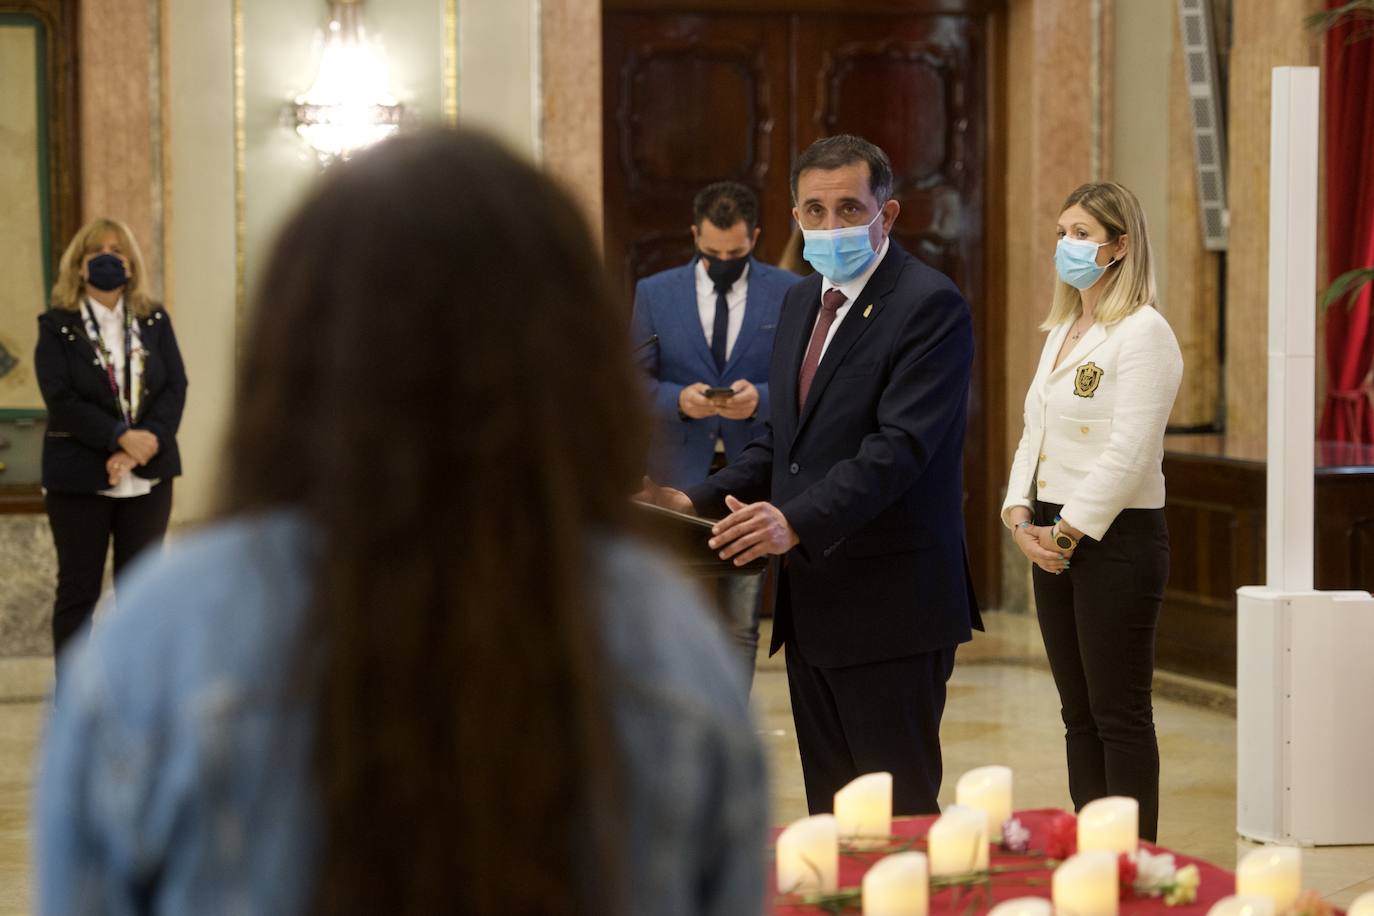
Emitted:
pixel 349 106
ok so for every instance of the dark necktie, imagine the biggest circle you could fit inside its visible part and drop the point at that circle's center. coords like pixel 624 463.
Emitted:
pixel 830 304
pixel 721 330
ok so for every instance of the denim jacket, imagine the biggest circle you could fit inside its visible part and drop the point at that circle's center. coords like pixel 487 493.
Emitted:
pixel 175 778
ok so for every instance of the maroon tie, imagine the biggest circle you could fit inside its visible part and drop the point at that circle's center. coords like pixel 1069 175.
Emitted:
pixel 830 304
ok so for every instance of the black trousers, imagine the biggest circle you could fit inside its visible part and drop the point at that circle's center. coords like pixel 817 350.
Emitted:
pixel 82 527
pixel 1098 620
pixel 883 716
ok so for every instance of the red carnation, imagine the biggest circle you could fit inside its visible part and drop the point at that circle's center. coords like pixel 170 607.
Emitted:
pixel 1127 871
pixel 1061 840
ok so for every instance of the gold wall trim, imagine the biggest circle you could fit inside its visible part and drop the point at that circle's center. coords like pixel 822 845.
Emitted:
pixel 450 58
pixel 164 203
pixel 240 147
pixel 1097 71
pixel 156 146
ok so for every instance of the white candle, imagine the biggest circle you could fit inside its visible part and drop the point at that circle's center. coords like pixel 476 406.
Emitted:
pixel 1111 823
pixel 863 809
pixel 1242 906
pixel 899 885
pixel 958 841
pixel 1363 905
pixel 988 788
pixel 1023 906
pixel 809 856
pixel 1275 872
pixel 1087 885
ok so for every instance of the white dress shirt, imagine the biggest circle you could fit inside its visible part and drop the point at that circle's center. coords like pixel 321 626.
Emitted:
pixel 1093 440
pixel 851 292
pixel 111 324
pixel 734 301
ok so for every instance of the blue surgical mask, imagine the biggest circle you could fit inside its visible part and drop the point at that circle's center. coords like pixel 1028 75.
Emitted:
pixel 1076 261
pixel 840 255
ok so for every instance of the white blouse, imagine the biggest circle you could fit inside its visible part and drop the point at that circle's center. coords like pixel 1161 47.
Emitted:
pixel 111 324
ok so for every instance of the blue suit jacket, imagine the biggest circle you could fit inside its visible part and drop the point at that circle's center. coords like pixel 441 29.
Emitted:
pixel 868 471
pixel 666 305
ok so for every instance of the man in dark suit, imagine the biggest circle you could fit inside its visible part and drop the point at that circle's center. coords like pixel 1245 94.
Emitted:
pixel 856 483
pixel 714 320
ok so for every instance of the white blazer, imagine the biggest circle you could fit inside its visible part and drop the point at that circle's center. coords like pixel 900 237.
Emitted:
pixel 1093 440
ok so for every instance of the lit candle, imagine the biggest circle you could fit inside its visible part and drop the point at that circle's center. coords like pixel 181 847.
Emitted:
pixel 958 841
pixel 1275 872
pixel 1087 885
pixel 1363 905
pixel 897 886
pixel 988 788
pixel 863 809
pixel 1242 906
pixel 809 856
pixel 1023 906
pixel 1111 823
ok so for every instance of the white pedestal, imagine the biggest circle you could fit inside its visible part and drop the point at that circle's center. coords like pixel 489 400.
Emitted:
pixel 1305 717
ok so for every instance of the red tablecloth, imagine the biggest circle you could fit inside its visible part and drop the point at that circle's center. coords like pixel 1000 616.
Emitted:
pixel 1216 882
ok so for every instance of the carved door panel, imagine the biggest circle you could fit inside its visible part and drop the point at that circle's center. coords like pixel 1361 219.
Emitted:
pixel 912 85
pixel 689 100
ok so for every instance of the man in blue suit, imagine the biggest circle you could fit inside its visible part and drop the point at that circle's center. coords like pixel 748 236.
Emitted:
pixel 714 319
pixel 856 483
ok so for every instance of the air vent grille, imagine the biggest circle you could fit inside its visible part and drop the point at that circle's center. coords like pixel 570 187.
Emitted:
pixel 1209 141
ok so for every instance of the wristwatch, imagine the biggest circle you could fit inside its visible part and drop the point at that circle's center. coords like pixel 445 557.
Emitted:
pixel 1062 540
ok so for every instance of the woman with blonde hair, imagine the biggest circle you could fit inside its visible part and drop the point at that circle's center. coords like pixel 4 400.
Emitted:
pixel 1085 498
pixel 112 379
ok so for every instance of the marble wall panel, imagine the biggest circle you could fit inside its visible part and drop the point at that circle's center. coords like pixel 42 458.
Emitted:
pixel 571 83
pixel 27 586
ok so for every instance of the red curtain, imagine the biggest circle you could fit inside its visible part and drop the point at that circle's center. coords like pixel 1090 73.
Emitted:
pixel 1346 416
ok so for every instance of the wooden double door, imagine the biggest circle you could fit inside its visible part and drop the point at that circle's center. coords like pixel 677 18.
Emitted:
pixel 708 90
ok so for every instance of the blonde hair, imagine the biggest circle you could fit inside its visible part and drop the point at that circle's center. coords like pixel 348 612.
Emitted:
pixel 1130 282
pixel 69 288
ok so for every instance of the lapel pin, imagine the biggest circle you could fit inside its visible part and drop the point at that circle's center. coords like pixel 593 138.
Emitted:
pixel 868 311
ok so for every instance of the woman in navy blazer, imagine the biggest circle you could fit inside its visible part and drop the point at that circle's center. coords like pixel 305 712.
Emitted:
pixel 113 381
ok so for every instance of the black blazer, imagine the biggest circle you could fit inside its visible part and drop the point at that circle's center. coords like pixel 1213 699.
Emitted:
pixel 84 420
pixel 868 471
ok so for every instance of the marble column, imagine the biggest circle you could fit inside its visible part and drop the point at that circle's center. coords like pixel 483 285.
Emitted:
pixel 1056 138
pixel 121 123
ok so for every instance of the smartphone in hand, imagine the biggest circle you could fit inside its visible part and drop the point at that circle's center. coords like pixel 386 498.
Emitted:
pixel 720 392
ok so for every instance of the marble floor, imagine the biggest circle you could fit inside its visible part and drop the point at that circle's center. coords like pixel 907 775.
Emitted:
pixel 1002 709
